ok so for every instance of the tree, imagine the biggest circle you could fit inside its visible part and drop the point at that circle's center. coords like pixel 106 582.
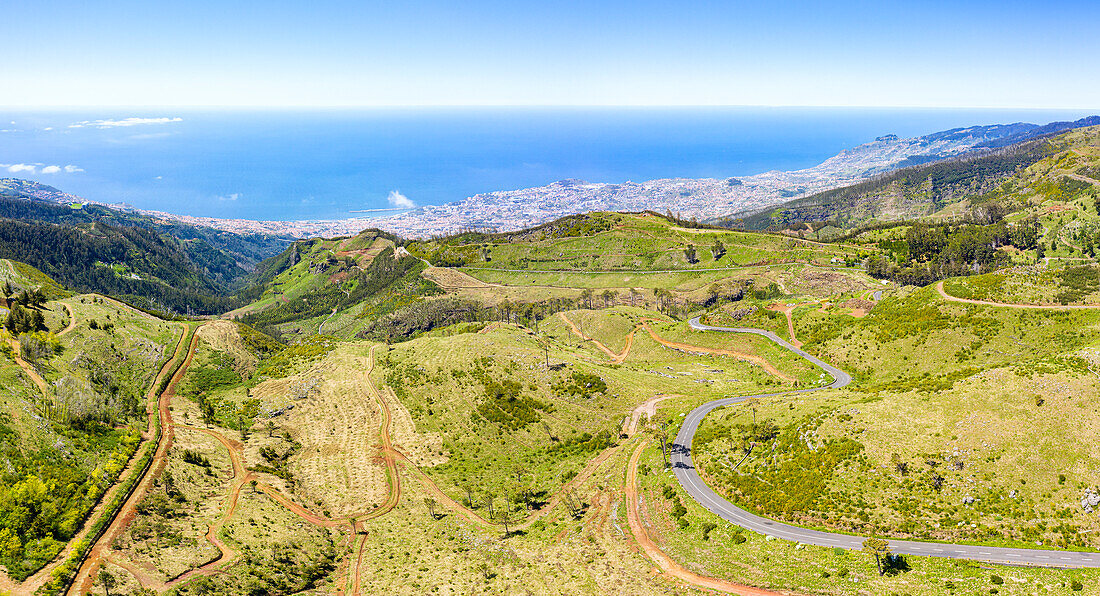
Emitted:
pixel 878 548
pixel 430 503
pixel 663 298
pixel 607 296
pixel 520 471
pixel 10 547
pixel 107 580
pixel 718 250
pixel 689 254
pixel 247 411
pixel 22 320
pixel 507 518
pixel 489 504
pixel 713 292
pixel 576 508
pixel 661 432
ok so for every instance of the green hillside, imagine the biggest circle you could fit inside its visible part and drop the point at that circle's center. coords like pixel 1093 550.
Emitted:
pixel 1033 174
pixel 167 267
pixel 493 413
pixel 72 410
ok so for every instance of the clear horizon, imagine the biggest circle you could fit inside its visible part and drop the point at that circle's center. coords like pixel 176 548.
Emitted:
pixel 302 164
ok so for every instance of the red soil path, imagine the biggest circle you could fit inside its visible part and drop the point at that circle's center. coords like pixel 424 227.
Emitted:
pixel 666 563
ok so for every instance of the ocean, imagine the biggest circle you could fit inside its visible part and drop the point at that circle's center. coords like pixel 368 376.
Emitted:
pixel 334 164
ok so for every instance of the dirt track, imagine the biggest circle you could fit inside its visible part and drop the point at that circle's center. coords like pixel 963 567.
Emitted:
pixel 82 583
pixel 36 581
pixel 943 293
pixel 43 388
pixel 358 538
pixel 757 360
pixel 243 476
pixel 615 358
pixel 99 554
pixel 787 309
pixel 665 562
pixel 72 319
pixel 36 378
pixel 648 409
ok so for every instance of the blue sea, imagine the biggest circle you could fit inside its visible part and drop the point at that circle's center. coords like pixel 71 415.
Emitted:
pixel 328 164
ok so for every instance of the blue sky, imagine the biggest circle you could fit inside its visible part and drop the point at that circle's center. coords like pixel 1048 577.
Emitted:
pixel 638 52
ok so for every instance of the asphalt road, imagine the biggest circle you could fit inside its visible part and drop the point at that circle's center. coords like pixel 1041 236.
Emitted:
pixel 694 485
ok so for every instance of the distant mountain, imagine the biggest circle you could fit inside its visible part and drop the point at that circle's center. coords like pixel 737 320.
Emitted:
pixel 1007 176
pixel 35 191
pixel 1040 131
pixel 150 263
pixel 239 253
pixel 707 198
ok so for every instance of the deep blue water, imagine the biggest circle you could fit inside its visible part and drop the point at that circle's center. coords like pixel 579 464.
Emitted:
pixel 323 164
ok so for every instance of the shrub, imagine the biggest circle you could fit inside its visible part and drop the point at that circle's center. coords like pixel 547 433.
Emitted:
pixel 195 458
pixel 996 579
pixel 582 384
pixel 505 404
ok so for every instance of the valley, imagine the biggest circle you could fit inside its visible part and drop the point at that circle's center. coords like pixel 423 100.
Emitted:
pixel 613 402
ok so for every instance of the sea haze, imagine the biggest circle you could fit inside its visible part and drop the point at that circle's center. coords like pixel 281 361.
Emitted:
pixel 294 165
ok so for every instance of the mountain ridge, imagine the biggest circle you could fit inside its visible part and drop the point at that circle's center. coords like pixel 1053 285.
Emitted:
pixel 702 198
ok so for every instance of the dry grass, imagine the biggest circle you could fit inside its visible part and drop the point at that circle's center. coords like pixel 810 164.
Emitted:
pixel 169 546
pixel 223 336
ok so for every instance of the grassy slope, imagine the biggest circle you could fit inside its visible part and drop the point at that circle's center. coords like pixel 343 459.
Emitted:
pixel 1054 183
pixel 650 243
pixel 645 252
pixel 913 340
pixel 944 383
pixel 125 357
pixel 314 270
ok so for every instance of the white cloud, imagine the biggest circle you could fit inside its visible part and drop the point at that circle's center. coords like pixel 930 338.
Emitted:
pixel 15 168
pixel 51 169
pixel 48 128
pixel 158 178
pixel 399 200
pixel 71 169
pixel 124 122
pixel 229 197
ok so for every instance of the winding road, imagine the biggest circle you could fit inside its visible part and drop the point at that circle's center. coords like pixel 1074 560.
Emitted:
pixel 689 478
